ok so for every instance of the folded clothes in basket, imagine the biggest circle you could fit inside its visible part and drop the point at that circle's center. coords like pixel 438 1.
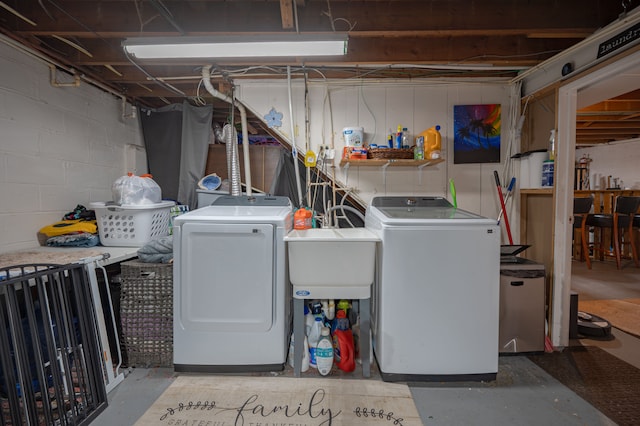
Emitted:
pixel 82 239
pixel 158 250
pixel 80 212
pixel 64 227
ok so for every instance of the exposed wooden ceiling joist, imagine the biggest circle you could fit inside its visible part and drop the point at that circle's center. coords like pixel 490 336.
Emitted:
pixel 387 39
pixel 286 13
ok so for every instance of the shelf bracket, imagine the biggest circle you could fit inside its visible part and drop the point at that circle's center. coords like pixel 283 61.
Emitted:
pixel 420 167
pixel 384 172
pixel 346 173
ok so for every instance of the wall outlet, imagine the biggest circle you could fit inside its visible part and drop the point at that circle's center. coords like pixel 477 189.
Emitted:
pixel 330 154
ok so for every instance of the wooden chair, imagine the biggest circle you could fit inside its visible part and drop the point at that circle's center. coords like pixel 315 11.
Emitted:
pixel 581 208
pixel 617 223
pixel 636 228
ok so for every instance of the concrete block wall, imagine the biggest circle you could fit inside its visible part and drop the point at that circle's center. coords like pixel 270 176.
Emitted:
pixel 59 147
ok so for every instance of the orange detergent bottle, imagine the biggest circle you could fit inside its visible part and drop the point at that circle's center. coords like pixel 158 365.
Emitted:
pixel 302 219
pixel 432 143
pixel 343 343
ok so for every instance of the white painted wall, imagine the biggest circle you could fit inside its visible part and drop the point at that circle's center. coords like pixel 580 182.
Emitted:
pixel 59 147
pixel 618 160
pixel 378 107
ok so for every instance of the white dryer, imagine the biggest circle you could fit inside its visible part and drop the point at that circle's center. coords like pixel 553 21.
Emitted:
pixel 436 298
pixel 231 299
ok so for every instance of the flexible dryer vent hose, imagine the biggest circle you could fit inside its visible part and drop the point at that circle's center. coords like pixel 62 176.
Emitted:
pixel 233 167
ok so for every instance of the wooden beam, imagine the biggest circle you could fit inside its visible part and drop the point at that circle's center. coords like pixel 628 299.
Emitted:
pixel 613 105
pixel 542 18
pixel 463 50
pixel 286 12
pixel 605 132
pixel 587 118
pixel 616 125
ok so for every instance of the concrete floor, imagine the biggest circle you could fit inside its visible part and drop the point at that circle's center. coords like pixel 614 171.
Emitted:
pixel 522 394
pixel 603 281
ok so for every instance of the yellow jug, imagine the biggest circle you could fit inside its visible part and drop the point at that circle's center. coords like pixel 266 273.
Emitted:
pixel 432 143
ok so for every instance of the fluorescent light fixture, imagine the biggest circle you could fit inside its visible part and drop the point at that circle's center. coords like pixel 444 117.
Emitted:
pixel 281 45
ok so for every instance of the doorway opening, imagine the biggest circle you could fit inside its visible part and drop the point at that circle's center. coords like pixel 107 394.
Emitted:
pixel 606 82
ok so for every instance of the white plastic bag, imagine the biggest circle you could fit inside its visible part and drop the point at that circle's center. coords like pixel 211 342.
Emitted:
pixel 136 190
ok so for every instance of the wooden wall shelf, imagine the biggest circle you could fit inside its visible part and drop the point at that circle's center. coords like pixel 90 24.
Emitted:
pixel 391 162
pixel 537 191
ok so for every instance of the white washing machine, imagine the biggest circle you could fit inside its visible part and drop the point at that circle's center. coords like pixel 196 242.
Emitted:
pixel 435 303
pixel 232 303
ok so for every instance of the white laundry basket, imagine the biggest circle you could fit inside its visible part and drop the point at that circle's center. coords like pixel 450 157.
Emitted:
pixel 132 226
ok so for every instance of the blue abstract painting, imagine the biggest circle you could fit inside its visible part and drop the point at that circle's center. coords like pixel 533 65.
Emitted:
pixel 476 133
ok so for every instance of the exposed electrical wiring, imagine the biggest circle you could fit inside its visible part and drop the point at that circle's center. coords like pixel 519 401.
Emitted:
pixel 73 18
pixel 295 14
pixel 307 125
pixel 329 14
pixel 333 20
pixel 513 141
pixel 45 43
pixel 364 101
pixel 199 100
pixel 167 15
pixel 142 22
pixel 417 72
pixel 327 104
pixel 503 57
pixel 154 79
pixel 406 71
pixel 307 142
pixel 409 70
pixel 351 26
pixel 45 9
pixel 321 71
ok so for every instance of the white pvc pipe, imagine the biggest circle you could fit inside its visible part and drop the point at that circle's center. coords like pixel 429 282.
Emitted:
pixel 206 79
pixel 294 150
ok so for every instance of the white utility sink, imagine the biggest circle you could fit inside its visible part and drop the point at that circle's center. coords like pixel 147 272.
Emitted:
pixel 331 262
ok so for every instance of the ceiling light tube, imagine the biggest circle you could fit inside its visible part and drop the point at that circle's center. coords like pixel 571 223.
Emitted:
pixel 282 45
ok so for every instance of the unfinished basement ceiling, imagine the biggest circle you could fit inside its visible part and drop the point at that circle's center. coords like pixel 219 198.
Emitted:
pixel 387 38
pixel 612 120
